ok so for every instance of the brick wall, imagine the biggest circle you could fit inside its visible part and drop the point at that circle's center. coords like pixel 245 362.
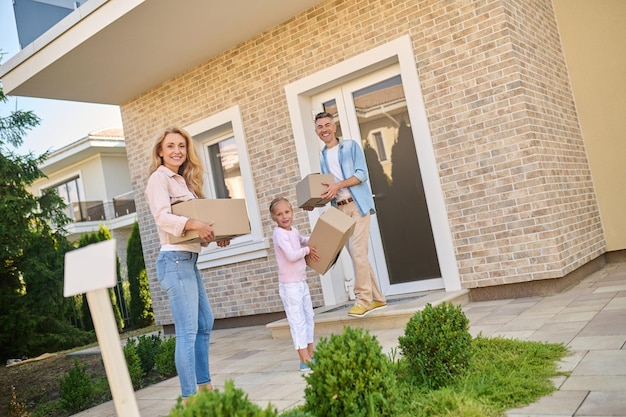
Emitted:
pixel 510 150
pixel 508 145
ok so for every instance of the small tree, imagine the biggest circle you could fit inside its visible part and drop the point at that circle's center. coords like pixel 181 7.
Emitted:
pixel 140 300
pixel 77 390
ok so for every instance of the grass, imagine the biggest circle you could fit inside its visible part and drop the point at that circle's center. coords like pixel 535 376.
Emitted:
pixel 502 375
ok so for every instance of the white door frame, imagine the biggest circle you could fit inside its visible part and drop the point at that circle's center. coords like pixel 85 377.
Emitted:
pixel 342 94
pixel 299 94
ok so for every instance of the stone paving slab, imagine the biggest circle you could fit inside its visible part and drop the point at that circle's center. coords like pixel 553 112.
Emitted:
pixel 603 403
pixel 561 403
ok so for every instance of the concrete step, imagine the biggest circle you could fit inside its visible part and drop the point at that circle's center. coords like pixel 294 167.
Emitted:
pixel 400 309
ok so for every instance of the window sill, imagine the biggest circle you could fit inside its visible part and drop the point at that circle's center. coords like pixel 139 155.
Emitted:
pixel 238 251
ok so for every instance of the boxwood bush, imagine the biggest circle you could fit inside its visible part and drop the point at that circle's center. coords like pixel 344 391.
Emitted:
pixel 437 345
pixel 351 377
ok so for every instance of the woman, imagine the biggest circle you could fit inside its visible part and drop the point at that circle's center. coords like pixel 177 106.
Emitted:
pixel 176 174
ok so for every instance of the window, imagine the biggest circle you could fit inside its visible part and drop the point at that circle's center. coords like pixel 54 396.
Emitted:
pixel 68 191
pixel 221 144
pixel 380 146
pixel 225 169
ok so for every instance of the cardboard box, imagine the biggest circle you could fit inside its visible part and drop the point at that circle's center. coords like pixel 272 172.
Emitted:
pixel 308 190
pixel 229 217
pixel 330 234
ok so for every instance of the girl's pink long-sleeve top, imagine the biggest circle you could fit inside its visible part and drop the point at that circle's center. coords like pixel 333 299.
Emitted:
pixel 290 249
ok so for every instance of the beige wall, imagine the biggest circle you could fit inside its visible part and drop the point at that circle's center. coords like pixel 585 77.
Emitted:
pixel 115 171
pixel 594 35
pixel 512 163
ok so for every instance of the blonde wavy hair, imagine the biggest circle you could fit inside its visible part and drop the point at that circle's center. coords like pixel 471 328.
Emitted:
pixel 191 170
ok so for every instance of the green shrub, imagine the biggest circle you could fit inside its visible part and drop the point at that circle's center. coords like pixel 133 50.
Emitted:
pixel 47 409
pixel 147 348
pixel 165 358
pixel 232 402
pixel 134 364
pixel 351 377
pixel 296 412
pixel 101 390
pixel 437 345
pixel 76 392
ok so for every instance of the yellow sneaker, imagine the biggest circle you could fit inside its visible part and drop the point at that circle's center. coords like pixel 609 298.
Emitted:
pixel 357 310
pixel 376 305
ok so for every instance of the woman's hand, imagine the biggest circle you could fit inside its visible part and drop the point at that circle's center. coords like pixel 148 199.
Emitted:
pixel 205 230
pixel 223 243
pixel 220 243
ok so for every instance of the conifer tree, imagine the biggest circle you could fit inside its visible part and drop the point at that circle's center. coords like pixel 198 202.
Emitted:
pixel 141 311
pixel 86 239
pixel 34 315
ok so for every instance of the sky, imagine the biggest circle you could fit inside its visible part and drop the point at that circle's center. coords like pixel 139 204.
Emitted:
pixel 62 122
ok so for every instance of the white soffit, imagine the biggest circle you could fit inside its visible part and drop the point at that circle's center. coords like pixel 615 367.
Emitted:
pixel 112 51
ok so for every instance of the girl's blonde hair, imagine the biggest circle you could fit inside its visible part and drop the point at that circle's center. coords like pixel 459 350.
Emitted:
pixel 276 201
pixel 191 170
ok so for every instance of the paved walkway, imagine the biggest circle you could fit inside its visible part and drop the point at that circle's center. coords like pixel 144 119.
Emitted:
pixel 589 318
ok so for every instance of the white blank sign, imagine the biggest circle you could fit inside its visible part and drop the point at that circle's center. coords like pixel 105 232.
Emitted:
pixel 90 268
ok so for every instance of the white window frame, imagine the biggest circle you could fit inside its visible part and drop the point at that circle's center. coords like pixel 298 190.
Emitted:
pixel 242 248
pixel 54 181
pixel 57 181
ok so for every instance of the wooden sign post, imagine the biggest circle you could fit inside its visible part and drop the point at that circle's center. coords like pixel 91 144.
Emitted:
pixel 92 270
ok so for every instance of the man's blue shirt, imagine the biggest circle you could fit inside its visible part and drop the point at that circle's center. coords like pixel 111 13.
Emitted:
pixel 352 162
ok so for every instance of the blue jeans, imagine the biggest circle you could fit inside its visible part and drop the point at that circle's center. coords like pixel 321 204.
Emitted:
pixel 193 318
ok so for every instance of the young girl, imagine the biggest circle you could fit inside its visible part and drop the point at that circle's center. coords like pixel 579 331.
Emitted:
pixel 291 250
pixel 176 175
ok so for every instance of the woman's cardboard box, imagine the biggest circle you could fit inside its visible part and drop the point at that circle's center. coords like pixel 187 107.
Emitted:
pixel 229 217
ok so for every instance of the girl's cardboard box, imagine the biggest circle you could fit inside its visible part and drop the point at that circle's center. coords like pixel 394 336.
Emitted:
pixel 329 235
pixel 309 190
pixel 229 217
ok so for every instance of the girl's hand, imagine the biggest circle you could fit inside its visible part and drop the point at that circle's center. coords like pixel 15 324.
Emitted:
pixel 313 255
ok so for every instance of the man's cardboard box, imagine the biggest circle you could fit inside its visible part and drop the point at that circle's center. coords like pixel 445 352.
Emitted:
pixel 229 217
pixel 309 190
pixel 330 234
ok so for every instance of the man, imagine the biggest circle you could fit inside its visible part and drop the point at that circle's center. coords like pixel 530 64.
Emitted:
pixel 350 194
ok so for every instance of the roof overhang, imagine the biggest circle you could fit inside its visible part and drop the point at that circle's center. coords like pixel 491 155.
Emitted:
pixel 81 150
pixel 112 51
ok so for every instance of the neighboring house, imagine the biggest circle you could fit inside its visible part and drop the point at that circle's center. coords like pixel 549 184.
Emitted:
pixel 92 176
pixel 482 121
